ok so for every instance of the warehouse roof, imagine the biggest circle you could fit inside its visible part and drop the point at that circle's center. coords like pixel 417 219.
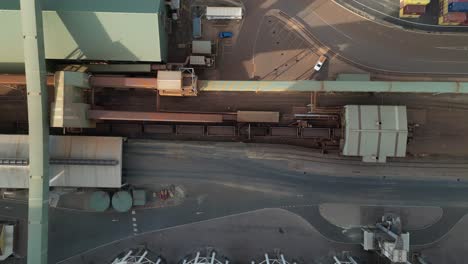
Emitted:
pixel 65 148
pixel 375 132
pixel 108 30
pixel 125 6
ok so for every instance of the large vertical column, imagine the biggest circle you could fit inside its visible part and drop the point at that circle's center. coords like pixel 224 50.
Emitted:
pixel 31 19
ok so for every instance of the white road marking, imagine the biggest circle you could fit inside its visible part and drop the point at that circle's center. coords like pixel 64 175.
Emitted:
pixel 460 48
pixel 330 25
pixel 444 33
pixel 133 219
pixel 441 61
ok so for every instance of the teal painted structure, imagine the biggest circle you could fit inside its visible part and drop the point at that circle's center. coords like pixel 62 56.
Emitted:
pixel 122 201
pixel 38 197
pixel 103 30
pixel 99 201
pixel 139 197
pixel 334 86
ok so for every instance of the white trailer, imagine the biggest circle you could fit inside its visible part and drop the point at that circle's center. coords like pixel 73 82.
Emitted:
pixel 223 13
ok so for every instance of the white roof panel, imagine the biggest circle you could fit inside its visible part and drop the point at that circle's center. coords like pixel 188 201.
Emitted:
pixel 223 12
pixel 375 132
pixel 197 60
pixel 201 47
pixel 169 80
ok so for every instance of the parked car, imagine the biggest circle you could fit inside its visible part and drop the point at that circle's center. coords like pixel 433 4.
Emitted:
pixel 320 63
pixel 225 34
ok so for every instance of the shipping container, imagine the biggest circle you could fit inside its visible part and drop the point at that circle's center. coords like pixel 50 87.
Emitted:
pixel 196 28
pixel 458 7
pixel 414 2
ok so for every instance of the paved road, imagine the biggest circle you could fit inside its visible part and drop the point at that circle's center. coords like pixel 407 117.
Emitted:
pixel 223 179
pixel 361 41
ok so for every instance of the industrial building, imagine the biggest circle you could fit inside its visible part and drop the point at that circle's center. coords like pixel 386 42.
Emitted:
pixel 375 132
pixel 113 80
pixel 89 31
pixel 93 162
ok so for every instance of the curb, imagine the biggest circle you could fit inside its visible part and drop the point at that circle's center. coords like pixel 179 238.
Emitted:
pixel 405 24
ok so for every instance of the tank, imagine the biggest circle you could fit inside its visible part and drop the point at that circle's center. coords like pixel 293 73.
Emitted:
pixel 98 201
pixel 122 201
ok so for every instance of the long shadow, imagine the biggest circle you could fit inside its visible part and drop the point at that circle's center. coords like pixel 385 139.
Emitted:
pixel 86 29
pixel 418 237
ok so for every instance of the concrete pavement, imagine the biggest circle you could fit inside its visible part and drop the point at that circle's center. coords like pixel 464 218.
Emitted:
pixel 364 43
pixel 222 179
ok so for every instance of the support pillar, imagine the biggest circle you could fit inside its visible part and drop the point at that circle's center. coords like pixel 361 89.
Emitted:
pixel 33 41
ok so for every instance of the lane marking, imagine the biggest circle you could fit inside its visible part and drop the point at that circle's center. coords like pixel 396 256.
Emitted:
pixel 392 26
pixel 330 25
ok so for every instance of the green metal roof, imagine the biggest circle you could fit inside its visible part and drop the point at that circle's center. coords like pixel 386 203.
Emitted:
pixel 122 6
pixel 107 30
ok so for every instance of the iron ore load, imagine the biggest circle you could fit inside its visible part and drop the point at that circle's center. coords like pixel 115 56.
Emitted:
pixel 413 8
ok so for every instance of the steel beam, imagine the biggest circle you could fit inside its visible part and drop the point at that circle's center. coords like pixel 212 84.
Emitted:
pixel 33 41
pixel 20 79
pixel 334 86
pixel 155 116
pixel 123 82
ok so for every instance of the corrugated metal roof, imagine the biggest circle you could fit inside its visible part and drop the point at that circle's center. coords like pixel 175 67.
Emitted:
pixel 110 30
pixel 375 132
pixel 223 12
pixel 65 147
pixel 197 60
pixel 122 6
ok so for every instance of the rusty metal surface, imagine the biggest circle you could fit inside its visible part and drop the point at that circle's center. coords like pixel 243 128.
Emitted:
pixel 316 132
pixel 190 130
pixel 20 79
pixel 123 82
pixel 156 116
pixel 221 130
pixel 284 131
pixel 158 129
pixel 257 117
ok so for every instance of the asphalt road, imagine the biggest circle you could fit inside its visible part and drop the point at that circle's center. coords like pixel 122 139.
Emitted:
pixel 222 179
pixel 363 42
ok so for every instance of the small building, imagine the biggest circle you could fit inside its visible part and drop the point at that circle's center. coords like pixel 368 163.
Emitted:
pixel 169 80
pixel 375 132
pixel 201 47
pixel 224 13
pixel 177 83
